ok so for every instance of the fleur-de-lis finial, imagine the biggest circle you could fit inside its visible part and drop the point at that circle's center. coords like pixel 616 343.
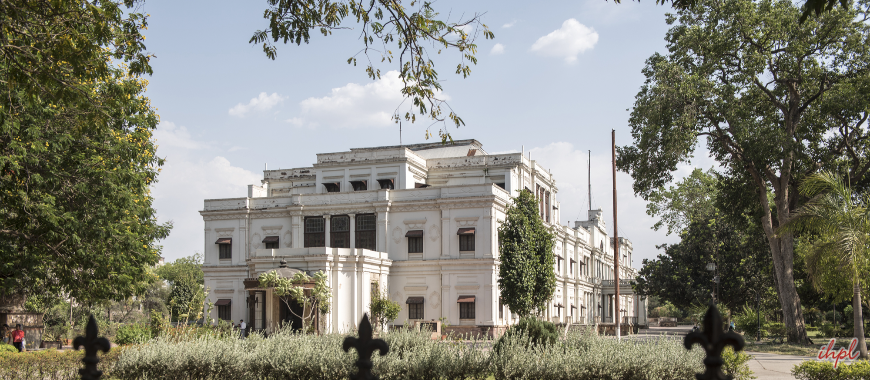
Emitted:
pixel 365 346
pixel 92 343
pixel 713 340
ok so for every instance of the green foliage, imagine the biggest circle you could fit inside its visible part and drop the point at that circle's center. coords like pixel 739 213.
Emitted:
pixel 382 308
pixel 390 31
pixel 7 348
pixel 527 277
pixel 824 370
pixel 133 334
pixel 677 206
pixel 736 364
pixel 52 364
pixel 76 151
pixel 186 270
pixel 747 322
pixel 834 330
pixel 666 310
pixel 714 86
pixel 534 331
pixel 315 298
pixel 158 323
pixel 776 329
pixel 185 301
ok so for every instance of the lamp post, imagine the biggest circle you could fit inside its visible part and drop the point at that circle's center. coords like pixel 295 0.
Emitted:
pixel 711 267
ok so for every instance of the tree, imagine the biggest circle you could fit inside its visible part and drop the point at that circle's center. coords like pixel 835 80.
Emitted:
pixel 314 298
pixel 526 275
pixel 383 309
pixel 764 91
pixel 840 221
pixel 676 206
pixel 680 275
pixel 184 270
pixel 390 31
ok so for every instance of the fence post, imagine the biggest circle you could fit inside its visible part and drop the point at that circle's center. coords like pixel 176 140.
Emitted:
pixel 713 340
pixel 365 346
pixel 92 343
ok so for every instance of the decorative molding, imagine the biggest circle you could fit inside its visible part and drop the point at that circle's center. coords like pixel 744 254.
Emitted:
pixel 225 232
pixel 435 299
pixel 415 224
pixel 466 287
pixel 272 230
pixel 287 239
pixel 466 221
pixel 397 234
pixel 223 217
pixel 223 291
pixel 434 232
pixel 256 240
pixel 411 288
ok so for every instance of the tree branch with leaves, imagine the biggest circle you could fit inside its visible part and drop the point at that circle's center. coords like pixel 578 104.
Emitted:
pixel 314 298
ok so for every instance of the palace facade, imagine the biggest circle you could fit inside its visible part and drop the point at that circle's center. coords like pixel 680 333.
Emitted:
pixel 419 221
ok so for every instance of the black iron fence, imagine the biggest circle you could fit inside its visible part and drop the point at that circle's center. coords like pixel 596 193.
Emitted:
pixel 712 339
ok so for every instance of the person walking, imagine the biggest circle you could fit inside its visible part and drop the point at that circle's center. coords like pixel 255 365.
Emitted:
pixel 242 326
pixel 18 337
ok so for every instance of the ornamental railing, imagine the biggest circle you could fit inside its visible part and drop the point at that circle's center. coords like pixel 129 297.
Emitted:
pixel 712 340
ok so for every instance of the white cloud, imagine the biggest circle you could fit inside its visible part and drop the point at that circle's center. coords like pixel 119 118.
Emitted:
pixel 261 103
pixel 355 105
pixel 497 49
pixel 567 42
pixel 510 24
pixel 193 172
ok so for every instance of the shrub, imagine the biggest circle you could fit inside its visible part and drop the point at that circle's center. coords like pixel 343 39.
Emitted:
pixel 824 370
pixel 747 321
pixel 532 330
pixel 7 348
pixel 586 356
pixel 830 330
pixel 777 329
pixel 133 334
pixel 736 364
pixel 51 364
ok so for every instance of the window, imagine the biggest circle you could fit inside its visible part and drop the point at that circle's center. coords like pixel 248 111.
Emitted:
pixel 359 185
pixel 271 242
pixel 332 187
pixel 225 248
pixel 419 185
pixel 500 309
pixel 365 231
pixel 501 185
pixel 415 307
pixel 224 308
pixel 415 241
pixel 315 235
pixel 466 307
pixel 339 231
pixel 547 206
pixel 386 184
pixel 466 239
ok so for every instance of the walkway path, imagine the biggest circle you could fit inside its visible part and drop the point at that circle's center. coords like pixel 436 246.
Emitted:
pixel 773 366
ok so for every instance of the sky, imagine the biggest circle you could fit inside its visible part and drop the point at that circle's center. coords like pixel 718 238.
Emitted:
pixel 557 78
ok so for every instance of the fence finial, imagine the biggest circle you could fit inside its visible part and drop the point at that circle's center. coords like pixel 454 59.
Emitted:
pixel 365 346
pixel 92 343
pixel 713 340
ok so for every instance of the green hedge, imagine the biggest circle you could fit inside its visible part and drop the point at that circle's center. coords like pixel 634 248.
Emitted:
pixel 51 364
pixel 824 370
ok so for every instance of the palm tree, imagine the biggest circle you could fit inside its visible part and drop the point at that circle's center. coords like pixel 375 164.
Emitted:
pixel 838 220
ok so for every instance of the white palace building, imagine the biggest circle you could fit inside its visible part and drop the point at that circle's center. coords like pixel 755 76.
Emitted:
pixel 421 220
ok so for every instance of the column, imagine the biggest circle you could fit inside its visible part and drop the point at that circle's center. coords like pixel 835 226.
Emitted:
pixel 296 229
pixel 383 229
pixel 352 231
pixel 446 232
pixel 326 219
pixel 489 234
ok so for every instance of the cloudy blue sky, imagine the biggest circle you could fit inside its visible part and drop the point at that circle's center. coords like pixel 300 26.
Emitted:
pixel 557 78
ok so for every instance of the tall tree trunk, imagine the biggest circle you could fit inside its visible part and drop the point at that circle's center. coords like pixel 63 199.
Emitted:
pixel 859 320
pixel 782 251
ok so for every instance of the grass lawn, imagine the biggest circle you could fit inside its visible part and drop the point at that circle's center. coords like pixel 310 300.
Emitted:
pixel 810 350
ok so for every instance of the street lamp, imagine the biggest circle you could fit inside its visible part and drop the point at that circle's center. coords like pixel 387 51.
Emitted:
pixel 711 267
